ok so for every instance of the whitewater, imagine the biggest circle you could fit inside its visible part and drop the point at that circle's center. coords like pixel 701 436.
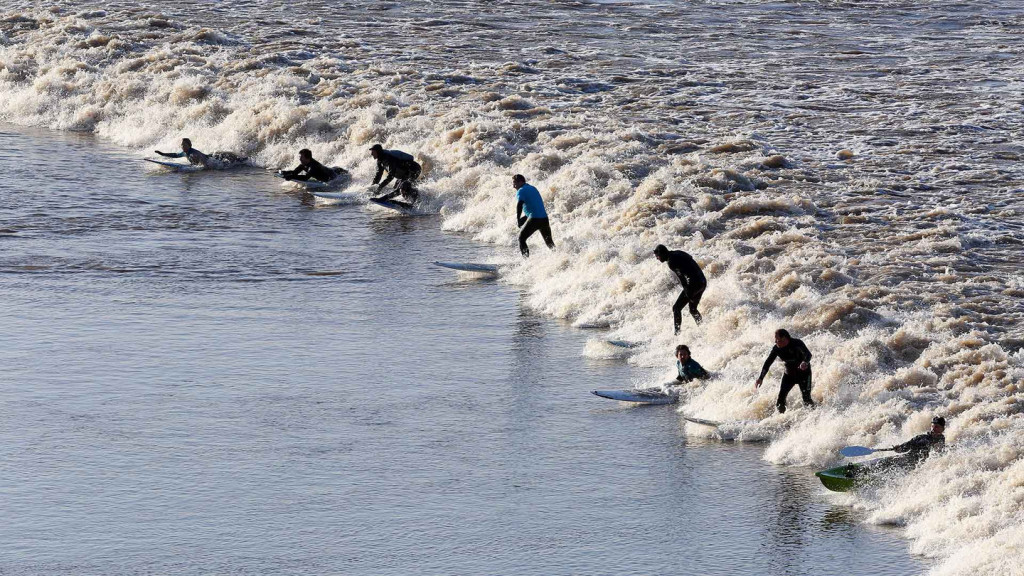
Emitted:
pixel 848 171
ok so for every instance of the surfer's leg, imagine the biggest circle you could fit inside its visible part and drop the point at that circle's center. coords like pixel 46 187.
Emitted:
pixel 695 295
pixel 545 232
pixel 527 230
pixel 677 309
pixel 787 385
pixel 805 390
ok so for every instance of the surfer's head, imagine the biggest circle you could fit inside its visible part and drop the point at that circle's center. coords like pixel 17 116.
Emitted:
pixel 305 156
pixel 661 252
pixel 518 181
pixel 683 352
pixel 375 150
pixel 186 144
pixel 938 425
pixel 781 338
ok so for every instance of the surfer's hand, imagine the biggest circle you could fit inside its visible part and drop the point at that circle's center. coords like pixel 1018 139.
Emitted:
pixel 804 366
pixel 520 222
pixel 757 384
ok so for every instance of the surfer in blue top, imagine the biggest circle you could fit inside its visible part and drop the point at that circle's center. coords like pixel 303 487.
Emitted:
pixel 399 165
pixel 688 368
pixel 530 214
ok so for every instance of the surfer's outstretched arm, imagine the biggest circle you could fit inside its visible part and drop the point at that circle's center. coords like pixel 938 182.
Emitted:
pixel 768 364
pixel 171 154
pixel 300 173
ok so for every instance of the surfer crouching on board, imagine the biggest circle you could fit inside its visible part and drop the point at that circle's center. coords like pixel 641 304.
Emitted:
pixel 797 358
pixel 310 169
pixel 690 276
pixel 688 368
pixel 399 165
pixel 530 214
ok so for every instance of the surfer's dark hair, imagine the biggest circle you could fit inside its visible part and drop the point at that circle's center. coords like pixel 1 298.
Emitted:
pixel 519 177
pixel 660 250
pixel 682 347
pixel 783 333
pixel 183 140
pixel 305 152
pixel 377 147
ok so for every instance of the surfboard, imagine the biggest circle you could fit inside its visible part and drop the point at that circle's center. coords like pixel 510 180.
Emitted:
pixel 469 267
pixel 402 207
pixel 650 396
pixel 176 166
pixel 702 421
pixel 338 181
pixel 623 344
pixel 328 199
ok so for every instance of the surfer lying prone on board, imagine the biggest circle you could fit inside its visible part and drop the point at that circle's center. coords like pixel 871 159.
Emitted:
pixel 310 169
pixel 797 358
pixel 688 368
pixel 197 158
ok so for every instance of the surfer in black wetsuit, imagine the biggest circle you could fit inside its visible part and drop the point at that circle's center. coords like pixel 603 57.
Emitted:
pixel 399 166
pixel 406 190
pixel 309 168
pixel 797 358
pixel 195 157
pixel 692 278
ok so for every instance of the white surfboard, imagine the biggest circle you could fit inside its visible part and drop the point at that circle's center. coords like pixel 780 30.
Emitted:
pixel 469 267
pixel 702 421
pixel 623 344
pixel 329 199
pixel 651 396
pixel 176 166
pixel 401 207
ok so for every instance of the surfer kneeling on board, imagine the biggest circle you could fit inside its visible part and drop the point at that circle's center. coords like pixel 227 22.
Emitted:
pixel 530 214
pixel 309 168
pixel 690 276
pixel 399 165
pixel 194 156
pixel 797 358
pixel 688 368
pixel 406 190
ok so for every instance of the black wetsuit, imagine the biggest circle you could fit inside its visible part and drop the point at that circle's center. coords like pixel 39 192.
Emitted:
pixel 793 354
pixel 194 156
pixel 919 447
pixel 693 281
pixel 314 170
pixel 411 196
pixel 398 165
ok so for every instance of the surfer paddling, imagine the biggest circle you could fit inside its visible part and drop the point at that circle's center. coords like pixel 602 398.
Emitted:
pixel 797 358
pixel 197 158
pixel 919 447
pixel 692 279
pixel 399 165
pixel 310 169
pixel 688 369
pixel 530 214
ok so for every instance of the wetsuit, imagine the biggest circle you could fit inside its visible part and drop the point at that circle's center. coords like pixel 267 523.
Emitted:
pixel 412 195
pixel 693 281
pixel 194 156
pixel 690 371
pixel 314 170
pixel 919 447
pixel 793 354
pixel 532 217
pixel 398 165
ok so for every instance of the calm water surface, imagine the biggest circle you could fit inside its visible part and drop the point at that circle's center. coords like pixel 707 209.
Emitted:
pixel 204 374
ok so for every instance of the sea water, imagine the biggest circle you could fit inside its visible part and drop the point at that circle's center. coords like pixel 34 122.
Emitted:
pixel 848 171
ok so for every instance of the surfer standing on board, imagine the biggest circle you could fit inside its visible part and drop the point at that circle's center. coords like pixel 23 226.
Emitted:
pixel 309 168
pixel 688 368
pixel 797 358
pixel 692 279
pixel 530 214
pixel 399 165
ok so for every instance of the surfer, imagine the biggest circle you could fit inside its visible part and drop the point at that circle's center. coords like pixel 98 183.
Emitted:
pixel 688 368
pixel 692 279
pixel 195 157
pixel 530 214
pixel 399 165
pixel 797 358
pixel 406 190
pixel 309 168
pixel 919 447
